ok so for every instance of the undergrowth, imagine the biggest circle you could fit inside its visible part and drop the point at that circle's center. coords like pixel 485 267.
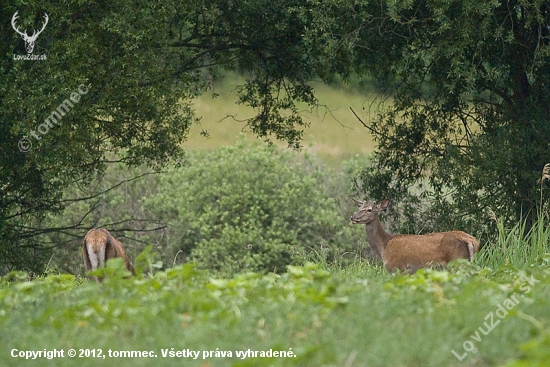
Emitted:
pixel 312 315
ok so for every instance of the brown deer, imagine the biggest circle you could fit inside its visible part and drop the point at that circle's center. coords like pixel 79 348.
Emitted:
pixel 99 246
pixel 411 252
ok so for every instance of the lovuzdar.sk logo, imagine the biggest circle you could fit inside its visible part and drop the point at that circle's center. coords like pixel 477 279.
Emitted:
pixel 29 40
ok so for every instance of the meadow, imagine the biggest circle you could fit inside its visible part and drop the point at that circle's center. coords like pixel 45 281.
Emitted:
pixel 334 133
pixel 311 315
pixel 494 311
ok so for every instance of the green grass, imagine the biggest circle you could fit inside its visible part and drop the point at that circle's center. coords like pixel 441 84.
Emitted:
pixel 325 315
pixel 334 133
pixel 517 246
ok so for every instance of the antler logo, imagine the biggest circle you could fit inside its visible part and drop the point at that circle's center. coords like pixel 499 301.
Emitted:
pixel 29 40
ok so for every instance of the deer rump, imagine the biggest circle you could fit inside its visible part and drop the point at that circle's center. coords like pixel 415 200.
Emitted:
pixel 99 246
pixel 411 252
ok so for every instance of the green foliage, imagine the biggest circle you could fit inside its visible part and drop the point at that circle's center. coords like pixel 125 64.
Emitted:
pixel 535 352
pixel 468 127
pixel 146 261
pixel 130 108
pixel 518 246
pixel 288 208
pixel 325 317
pixel 114 269
pixel 142 63
pixel 247 207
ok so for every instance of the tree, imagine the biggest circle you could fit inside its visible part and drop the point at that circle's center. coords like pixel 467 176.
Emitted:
pixel 468 125
pixel 117 85
pixel 468 82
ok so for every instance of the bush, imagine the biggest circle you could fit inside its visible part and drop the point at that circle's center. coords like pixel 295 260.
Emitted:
pixel 248 207
pixel 240 208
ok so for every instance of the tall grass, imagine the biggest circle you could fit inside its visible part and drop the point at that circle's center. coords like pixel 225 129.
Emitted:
pixel 517 246
pixel 349 264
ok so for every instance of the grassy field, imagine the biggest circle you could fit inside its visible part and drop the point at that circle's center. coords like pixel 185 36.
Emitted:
pixel 312 315
pixel 334 133
pixel 492 312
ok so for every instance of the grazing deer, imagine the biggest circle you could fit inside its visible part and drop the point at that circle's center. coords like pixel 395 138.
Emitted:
pixel 99 246
pixel 411 252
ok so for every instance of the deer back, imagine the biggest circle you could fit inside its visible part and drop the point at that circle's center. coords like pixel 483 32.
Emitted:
pixel 99 246
pixel 410 252
pixel 116 249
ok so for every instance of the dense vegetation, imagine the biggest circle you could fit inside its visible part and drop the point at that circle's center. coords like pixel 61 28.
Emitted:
pixel 142 63
pixel 247 248
pixel 247 207
pixel 358 316
pixel 230 311
pixel 463 129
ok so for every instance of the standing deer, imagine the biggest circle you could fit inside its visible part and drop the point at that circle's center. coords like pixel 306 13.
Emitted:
pixel 411 252
pixel 99 246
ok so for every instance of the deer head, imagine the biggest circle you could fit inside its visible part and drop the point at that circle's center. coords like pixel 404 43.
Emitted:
pixel 368 212
pixel 29 40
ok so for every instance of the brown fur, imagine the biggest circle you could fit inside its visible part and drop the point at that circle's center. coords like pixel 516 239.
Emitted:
pixel 99 246
pixel 411 252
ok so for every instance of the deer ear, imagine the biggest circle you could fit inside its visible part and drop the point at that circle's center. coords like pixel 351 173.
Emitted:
pixel 384 204
pixel 357 202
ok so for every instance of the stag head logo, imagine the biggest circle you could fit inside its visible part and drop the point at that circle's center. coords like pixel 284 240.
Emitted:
pixel 29 40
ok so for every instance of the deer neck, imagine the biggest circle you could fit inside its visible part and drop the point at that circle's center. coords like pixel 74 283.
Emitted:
pixel 376 236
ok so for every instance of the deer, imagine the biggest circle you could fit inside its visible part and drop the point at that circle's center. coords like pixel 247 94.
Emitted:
pixel 29 40
pixel 99 246
pixel 408 253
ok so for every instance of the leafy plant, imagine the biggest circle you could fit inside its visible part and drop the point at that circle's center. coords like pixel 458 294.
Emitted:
pixel 464 89
pixel 324 316
pixel 248 207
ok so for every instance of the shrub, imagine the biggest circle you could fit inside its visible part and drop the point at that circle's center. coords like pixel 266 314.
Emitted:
pixel 247 207
pixel 239 208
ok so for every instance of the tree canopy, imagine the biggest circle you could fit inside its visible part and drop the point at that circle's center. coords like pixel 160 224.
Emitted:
pixel 141 63
pixel 468 120
pixel 467 82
